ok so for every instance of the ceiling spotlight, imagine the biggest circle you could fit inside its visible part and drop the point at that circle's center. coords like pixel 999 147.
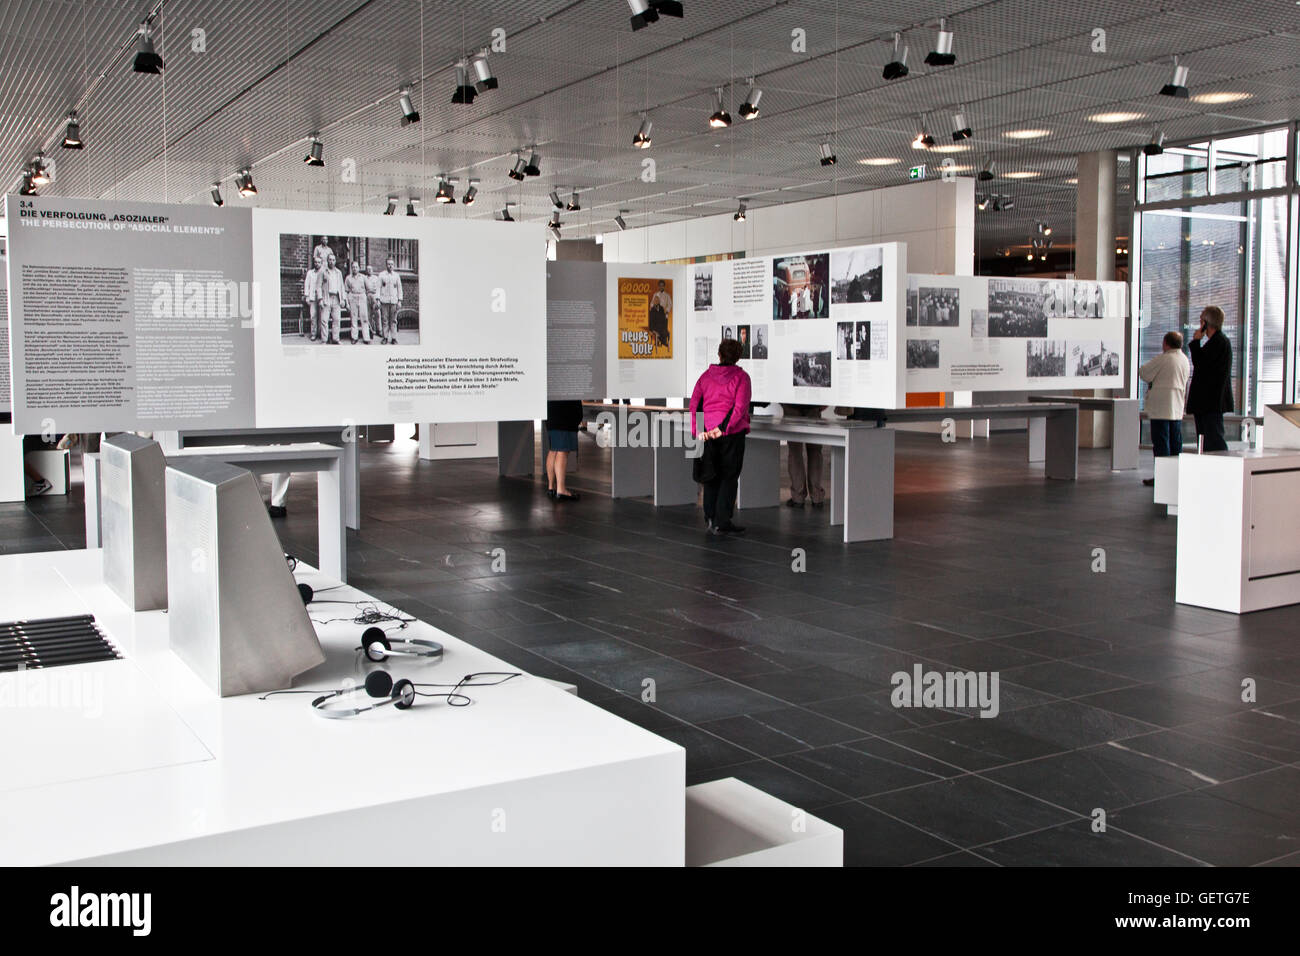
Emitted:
pixel 827 157
pixel 244 183
pixel 645 12
pixel 986 171
pixel 1043 229
pixel 982 202
pixel 72 133
pixel 642 138
pixel 1030 257
pixel 409 113
pixel 392 206
pixel 574 205
pixel 619 220
pixel 471 194
pixel 923 138
pixel 505 214
pixel 556 201
pixel 1157 144
pixel 517 173
pixel 942 54
pixel 1178 85
pixel 316 154
pixel 534 167
pixel 147 59
pixel 554 224
pixel 39 171
pixel 464 92
pixel 896 68
pixel 720 119
pixel 740 212
pixel 960 128
pixel 483 78
pixel 27 188
pixel 410 206
pixel 1004 204
pixel 217 200
pixel 446 192
pixel 749 109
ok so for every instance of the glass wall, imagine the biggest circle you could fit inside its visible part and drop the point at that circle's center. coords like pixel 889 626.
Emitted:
pixel 1216 226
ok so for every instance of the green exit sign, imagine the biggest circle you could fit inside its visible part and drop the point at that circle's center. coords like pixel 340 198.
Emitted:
pixel 916 172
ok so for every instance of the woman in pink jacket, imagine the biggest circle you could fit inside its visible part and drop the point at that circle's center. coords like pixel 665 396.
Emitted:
pixel 722 394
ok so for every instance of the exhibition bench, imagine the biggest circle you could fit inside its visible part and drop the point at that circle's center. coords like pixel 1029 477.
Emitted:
pixel 137 762
pixel 1125 425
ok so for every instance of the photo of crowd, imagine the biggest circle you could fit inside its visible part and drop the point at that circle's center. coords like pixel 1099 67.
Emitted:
pixel 800 287
pixel 922 353
pixel 852 341
pixel 358 289
pixel 939 308
pixel 857 275
pixel 1045 358
pixel 1016 309
pixel 812 369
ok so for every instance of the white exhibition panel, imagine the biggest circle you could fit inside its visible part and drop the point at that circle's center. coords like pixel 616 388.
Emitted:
pixel 480 352
pixel 983 333
pixel 846 351
pixel 638 366
pixel 526 775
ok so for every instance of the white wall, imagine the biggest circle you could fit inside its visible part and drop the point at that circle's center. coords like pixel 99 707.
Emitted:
pixel 935 219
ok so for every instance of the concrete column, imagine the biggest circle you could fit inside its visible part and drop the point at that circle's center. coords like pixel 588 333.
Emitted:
pixel 579 250
pixel 1094 218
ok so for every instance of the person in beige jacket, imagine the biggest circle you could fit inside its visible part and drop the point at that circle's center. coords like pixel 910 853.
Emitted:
pixel 1167 375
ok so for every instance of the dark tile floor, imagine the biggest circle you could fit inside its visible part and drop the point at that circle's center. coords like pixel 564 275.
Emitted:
pixel 1112 697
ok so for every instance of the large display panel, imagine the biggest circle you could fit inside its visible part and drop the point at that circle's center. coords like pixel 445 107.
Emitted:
pixel 6 404
pixel 646 306
pixel 434 320
pixel 576 330
pixel 979 333
pixel 129 316
pixel 820 328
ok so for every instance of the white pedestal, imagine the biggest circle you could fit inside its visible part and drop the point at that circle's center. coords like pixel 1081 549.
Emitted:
pixel 1166 487
pixel 12 484
pixel 730 823
pixel 458 440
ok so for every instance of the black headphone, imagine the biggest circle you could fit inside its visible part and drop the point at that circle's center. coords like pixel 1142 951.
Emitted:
pixel 376 645
pixel 379 684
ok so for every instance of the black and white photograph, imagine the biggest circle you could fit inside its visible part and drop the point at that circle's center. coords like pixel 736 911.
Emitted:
pixel 922 353
pixel 760 333
pixel 853 341
pixel 979 323
pixel 1089 301
pixel 812 369
pixel 1093 359
pixel 1016 309
pixel 358 290
pixel 742 336
pixel 912 310
pixel 939 307
pixel 857 275
pixel 1045 358
pixel 704 288
pixel 801 287
pixel 728 332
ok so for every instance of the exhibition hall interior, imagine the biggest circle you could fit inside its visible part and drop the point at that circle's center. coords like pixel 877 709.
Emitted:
pixel 741 433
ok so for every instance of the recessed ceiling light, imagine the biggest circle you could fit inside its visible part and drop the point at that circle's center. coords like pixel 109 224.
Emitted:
pixel 1021 174
pixel 878 161
pixel 1073 181
pixel 949 148
pixel 1222 96
pixel 1117 117
pixel 1027 133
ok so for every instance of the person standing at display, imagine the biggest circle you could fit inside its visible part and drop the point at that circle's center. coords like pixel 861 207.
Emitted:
pixel 372 300
pixel 390 300
pixel 1210 394
pixel 563 419
pixel 805 463
pixel 1167 375
pixel 722 395
pixel 311 296
pixel 355 287
pixel 330 288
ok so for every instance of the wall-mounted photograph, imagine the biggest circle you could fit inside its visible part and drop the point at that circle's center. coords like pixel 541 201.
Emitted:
pixel 857 275
pixel 801 287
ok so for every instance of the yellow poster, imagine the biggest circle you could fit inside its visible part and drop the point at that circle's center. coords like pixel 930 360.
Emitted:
pixel 645 318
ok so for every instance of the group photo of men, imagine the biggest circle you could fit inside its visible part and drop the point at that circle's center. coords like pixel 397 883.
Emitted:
pixel 336 289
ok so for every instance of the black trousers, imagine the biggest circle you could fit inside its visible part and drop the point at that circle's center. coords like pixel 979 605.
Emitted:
pixel 720 494
pixel 1209 425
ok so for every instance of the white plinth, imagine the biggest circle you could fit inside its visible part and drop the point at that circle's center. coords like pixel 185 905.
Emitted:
pixel 1166 487
pixel 142 764
pixel 1238 530
pixel 730 823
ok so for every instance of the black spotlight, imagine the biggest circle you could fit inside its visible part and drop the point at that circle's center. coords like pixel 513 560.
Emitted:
pixel 960 127
pixel 392 206
pixel 740 212
pixel 244 183
pixel 720 119
pixel 517 173
pixel 409 113
pixel 446 192
pixel 645 12
pixel 986 171
pixel 505 214
pixel 1178 85
pixel 217 200
pixel 316 154
pixel 827 156
pixel 470 194
pixel 749 109
pixel 942 54
pixel 896 68
pixel 147 59
pixel 556 201
pixel 27 188
pixel 39 172
pixel 642 138
pixel 465 92
pixel 410 207
pixel 534 167
pixel 619 220
pixel 72 133
pixel 483 78
pixel 574 205
pixel 1157 144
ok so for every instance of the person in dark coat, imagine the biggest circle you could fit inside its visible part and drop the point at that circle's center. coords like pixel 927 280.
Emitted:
pixel 563 419
pixel 1210 394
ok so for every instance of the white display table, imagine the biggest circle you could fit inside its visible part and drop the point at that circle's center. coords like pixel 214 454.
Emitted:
pixel 1239 530
pixel 134 761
